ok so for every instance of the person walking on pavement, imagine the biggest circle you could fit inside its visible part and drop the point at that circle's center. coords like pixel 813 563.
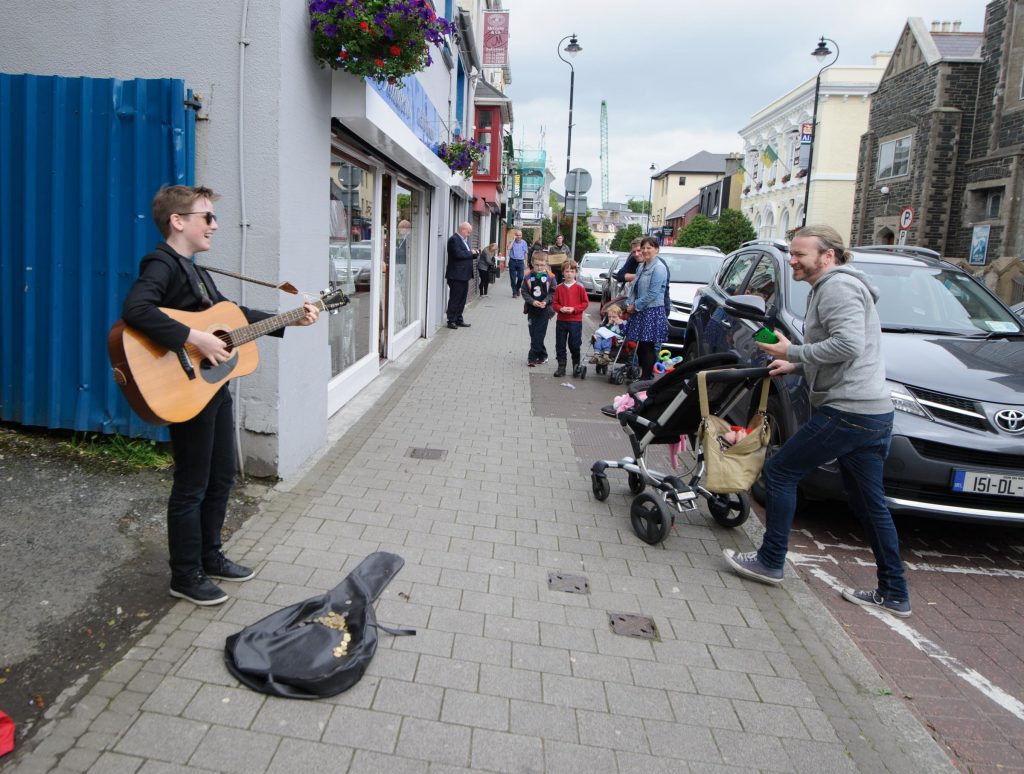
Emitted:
pixel 486 264
pixel 533 248
pixel 204 446
pixel 841 360
pixel 458 273
pixel 558 254
pixel 517 251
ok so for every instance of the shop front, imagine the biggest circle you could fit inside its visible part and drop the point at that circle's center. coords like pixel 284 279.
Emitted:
pixel 390 211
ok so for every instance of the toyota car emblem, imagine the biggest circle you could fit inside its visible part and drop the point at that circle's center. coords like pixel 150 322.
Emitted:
pixel 1010 420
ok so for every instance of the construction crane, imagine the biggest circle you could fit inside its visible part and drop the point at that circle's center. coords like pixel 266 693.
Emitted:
pixel 604 152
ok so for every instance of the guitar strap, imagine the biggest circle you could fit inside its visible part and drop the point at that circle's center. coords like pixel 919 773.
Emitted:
pixel 287 287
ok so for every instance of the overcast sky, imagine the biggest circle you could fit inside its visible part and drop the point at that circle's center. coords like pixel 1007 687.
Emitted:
pixel 680 76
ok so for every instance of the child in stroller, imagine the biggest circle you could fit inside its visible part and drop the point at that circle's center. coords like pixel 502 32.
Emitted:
pixel 609 336
pixel 614 349
pixel 668 409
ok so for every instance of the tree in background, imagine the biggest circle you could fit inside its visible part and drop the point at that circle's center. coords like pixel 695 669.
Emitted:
pixel 639 205
pixel 585 240
pixel 731 230
pixel 624 238
pixel 727 233
pixel 548 230
pixel 699 231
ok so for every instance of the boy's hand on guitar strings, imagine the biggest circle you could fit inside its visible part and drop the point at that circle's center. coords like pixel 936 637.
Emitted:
pixel 210 346
pixel 311 316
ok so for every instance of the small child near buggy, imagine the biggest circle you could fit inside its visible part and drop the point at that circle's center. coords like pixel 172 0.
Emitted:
pixel 570 302
pixel 608 336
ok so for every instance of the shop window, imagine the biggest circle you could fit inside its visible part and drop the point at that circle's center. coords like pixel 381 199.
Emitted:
pixel 350 256
pixel 894 158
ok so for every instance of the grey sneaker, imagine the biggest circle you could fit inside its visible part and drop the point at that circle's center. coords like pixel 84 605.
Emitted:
pixel 749 566
pixel 220 567
pixel 197 589
pixel 871 598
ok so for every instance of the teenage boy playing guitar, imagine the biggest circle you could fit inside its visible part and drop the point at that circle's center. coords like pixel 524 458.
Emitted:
pixel 203 447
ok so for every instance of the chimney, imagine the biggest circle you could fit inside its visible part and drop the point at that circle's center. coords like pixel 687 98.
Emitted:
pixel 945 26
pixel 956 25
pixel 732 163
pixel 935 26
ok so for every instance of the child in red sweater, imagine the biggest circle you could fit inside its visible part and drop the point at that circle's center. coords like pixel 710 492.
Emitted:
pixel 570 302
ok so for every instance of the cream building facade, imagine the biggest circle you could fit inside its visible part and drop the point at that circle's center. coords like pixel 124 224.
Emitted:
pixel 675 185
pixel 773 196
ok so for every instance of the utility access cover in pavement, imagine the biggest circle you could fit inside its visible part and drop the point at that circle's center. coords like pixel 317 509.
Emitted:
pixel 632 625
pixel 573 584
pixel 427 454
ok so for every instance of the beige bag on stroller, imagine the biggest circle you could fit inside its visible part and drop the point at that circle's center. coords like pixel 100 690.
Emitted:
pixel 732 468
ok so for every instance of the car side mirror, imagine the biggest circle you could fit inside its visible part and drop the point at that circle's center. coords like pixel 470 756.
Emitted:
pixel 603 275
pixel 747 307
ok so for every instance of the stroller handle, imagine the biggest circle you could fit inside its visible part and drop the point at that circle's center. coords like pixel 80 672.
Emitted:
pixel 735 374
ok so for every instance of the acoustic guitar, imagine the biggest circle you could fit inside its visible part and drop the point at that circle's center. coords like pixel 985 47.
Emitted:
pixel 164 386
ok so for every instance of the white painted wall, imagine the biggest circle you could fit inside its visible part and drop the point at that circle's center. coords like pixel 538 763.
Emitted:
pixel 286 123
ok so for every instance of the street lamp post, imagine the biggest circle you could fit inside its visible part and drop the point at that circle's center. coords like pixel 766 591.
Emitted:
pixel 819 53
pixel 572 50
pixel 650 190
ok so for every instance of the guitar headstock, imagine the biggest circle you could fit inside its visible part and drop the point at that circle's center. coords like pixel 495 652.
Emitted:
pixel 332 299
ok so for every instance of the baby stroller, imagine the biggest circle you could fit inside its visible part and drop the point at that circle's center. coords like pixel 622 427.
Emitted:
pixel 623 353
pixel 672 409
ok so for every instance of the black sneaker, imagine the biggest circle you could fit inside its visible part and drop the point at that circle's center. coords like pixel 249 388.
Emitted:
pixel 222 568
pixel 871 598
pixel 198 589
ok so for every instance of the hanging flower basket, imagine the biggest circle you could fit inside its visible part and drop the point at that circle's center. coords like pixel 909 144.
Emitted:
pixel 801 173
pixel 771 182
pixel 461 154
pixel 746 190
pixel 385 40
pixel 785 178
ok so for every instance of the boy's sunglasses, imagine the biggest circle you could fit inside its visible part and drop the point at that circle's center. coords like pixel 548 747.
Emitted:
pixel 210 217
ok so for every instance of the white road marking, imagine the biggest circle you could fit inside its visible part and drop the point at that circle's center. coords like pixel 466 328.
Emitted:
pixel 972 677
pixel 992 572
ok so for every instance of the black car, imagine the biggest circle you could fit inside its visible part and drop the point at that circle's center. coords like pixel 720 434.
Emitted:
pixel 954 358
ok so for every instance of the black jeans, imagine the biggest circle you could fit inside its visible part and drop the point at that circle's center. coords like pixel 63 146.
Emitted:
pixel 204 472
pixel 537 322
pixel 485 280
pixel 646 357
pixel 573 331
pixel 458 290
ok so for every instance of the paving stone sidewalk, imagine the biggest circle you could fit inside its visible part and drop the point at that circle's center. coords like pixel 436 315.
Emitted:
pixel 504 674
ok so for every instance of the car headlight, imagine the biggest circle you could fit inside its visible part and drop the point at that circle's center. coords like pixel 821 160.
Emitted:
pixel 903 400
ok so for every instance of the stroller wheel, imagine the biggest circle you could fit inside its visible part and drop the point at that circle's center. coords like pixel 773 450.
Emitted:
pixel 730 510
pixel 600 486
pixel 650 518
pixel 636 483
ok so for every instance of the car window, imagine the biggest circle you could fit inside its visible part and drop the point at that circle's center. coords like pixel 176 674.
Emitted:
pixel 696 268
pixel 763 280
pixel 597 261
pixel 731 279
pixel 936 298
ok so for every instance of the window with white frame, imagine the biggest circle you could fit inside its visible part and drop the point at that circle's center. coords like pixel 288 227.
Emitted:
pixel 894 158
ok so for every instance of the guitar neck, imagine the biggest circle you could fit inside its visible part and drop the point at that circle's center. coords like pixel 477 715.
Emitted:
pixel 252 332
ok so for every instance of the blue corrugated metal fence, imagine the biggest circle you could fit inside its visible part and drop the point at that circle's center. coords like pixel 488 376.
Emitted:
pixel 80 160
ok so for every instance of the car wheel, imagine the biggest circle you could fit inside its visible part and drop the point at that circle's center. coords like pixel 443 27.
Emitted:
pixel 778 436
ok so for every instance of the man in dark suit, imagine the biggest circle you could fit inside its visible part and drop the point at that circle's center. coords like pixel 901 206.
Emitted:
pixel 461 259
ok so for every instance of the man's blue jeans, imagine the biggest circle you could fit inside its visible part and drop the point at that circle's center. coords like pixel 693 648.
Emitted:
pixel 860 443
pixel 516 272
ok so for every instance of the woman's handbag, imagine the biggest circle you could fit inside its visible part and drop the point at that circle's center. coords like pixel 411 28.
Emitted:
pixel 494 274
pixel 732 468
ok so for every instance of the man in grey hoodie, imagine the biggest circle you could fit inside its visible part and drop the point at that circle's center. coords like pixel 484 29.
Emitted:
pixel 841 361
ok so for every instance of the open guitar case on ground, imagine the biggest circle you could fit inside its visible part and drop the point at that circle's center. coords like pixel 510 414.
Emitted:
pixel 292 654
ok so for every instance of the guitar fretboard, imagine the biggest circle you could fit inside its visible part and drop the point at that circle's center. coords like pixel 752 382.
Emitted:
pixel 240 336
